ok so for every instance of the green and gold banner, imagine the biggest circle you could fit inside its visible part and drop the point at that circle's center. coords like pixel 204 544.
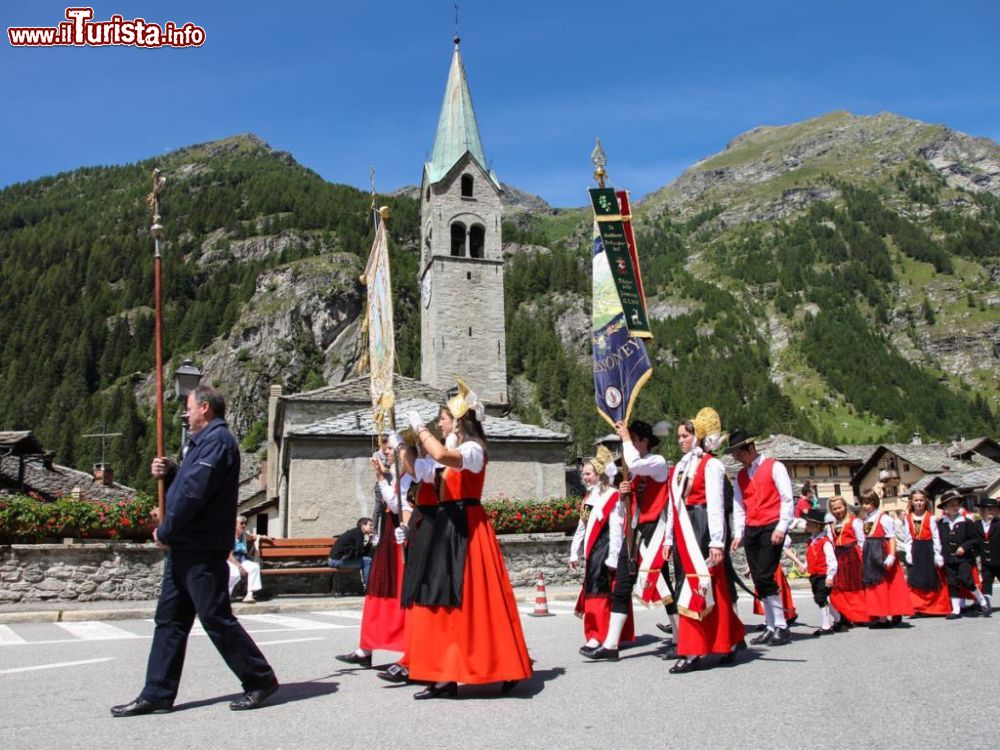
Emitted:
pixel 608 215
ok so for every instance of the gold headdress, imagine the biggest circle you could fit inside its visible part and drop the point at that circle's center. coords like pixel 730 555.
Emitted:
pixel 708 428
pixel 601 460
pixel 464 400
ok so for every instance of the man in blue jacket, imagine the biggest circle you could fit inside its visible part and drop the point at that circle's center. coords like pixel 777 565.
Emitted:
pixel 197 532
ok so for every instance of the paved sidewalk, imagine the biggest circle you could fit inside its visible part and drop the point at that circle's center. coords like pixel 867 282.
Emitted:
pixel 138 610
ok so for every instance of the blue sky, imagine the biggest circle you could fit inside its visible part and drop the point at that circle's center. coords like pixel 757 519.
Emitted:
pixel 344 85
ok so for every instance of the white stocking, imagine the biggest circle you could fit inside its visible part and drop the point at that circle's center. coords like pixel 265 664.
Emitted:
pixel 615 627
pixel 778 611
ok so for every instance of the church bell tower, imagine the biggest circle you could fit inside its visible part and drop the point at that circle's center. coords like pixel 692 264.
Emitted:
pixel 461 261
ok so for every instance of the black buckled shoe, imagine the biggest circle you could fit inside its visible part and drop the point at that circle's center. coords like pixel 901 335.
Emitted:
pixel 140 707
pixel 665 628
pixel 781 637
pixel 253 698
pixel 685 664
pixel 507 686
pixel 396 673
pixel 353 658
pixel 763 639
pixel 448 690
pixel 603 654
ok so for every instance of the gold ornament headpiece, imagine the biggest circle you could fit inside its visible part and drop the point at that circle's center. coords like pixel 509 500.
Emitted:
pixel 601 460
pixel 465 400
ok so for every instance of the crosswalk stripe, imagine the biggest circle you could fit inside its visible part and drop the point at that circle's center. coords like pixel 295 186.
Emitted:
pixel 292 623
pixel 95 631
pixel 349 614
pixel 8 637
pixel 57 665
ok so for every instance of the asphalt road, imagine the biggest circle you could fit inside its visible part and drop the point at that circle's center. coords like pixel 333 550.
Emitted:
pixel 931 683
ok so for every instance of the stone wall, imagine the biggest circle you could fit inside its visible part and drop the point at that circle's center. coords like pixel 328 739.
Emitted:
pixel 79 572
pixel 102 571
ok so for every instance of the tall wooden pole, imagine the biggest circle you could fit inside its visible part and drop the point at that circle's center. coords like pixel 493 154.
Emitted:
pixel 157 231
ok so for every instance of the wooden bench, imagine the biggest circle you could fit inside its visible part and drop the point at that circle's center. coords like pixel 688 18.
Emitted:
pixel 315 550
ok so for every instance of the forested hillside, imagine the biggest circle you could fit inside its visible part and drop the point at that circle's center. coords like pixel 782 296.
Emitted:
pixel 837 279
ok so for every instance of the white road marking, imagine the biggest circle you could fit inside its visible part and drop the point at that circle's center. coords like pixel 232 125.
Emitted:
pixel 349 614
pixel 288 640
pixel 57 665
pixel 96 631
pixel 8 637
pixel 292 623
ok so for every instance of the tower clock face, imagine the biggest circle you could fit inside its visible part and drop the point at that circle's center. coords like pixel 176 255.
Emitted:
pixel 425 290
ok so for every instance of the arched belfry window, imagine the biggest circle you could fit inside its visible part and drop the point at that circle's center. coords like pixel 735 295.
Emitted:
pixel 466 185
pixel 477 241
pixel 458 239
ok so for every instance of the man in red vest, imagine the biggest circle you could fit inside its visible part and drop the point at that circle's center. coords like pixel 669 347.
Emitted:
pixel 763 507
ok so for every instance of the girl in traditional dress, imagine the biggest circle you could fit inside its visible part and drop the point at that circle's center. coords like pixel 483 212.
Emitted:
pixel 847 596
pixel 696 535
pixel 465 625
pixel 925 565
pixel 886 594
pixel 382 618
pixel 598 541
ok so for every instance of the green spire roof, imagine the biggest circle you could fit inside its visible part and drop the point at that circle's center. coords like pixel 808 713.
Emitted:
pixel 457 131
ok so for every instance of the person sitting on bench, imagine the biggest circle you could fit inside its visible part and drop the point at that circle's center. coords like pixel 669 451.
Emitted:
pixel 353 549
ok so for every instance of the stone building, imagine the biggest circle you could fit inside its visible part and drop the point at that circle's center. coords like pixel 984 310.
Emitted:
pixel 319 480
pixel 461 266
pixel 894 469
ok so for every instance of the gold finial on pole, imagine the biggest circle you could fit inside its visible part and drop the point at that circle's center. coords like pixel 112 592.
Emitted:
pixel 384 212
pixel 599 159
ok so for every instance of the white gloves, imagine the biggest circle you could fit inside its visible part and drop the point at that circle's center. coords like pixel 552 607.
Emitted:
pixel 890 561
pixel 414 420
pixel 393 439
pixel 909 557
pixel 401 533
pixel 938 561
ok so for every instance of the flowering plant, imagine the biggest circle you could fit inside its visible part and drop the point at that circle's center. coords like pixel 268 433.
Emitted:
pixel 30 519
pixel 532 516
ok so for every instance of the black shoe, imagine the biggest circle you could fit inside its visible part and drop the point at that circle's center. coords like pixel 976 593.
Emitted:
pixel 986 607
pixel 763 639
pixel 839 626
pixel 586 650
pixel 395 673
pixel 254 698
pixel 731 656
pixel 603 654
pixel 952 616
pixel 141 706
pixel 448 690
pixel 353 658
pixel 665 628
pixel 896 620
pixel 686 664
pixel 507 686
pixel 823 631
pixel 781 637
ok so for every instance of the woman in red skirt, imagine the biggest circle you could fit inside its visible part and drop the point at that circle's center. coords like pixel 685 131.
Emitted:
pixel 598 540
pixel 924 564
pixel 696 535
pixel 886 593
pixel 465 626
pixel 847 597
pixel 383 619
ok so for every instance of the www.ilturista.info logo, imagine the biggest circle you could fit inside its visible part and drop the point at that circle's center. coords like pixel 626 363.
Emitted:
pixel 79 30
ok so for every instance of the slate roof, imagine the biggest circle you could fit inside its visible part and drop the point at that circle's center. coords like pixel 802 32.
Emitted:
pixel 359 423
pixel 21 442
pixel 973 480
pixel 59 481
pixel 860 452
pixel 358 390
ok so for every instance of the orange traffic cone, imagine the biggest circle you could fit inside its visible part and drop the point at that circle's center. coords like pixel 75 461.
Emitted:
pixel 541 601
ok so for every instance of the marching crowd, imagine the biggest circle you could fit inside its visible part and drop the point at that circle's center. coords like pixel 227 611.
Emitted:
pixel 664 535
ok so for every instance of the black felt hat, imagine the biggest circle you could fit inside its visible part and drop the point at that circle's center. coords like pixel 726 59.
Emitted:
pixel 985 501
pixel 948 496
pixel 644 430
pixel 740 438
pixel 815 515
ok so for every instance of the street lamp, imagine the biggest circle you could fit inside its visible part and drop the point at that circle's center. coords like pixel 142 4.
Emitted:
pixel 186 379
